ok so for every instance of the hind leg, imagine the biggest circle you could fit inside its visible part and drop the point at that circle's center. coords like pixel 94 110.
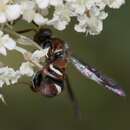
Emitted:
pixel 72 98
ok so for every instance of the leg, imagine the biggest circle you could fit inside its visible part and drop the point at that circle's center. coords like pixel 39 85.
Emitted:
pixel 73 98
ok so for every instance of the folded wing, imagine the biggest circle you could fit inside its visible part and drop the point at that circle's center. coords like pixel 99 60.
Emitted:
pixel 97 76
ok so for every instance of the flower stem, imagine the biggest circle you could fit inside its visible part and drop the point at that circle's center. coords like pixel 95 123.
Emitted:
pixel 28 56
pixel 21 50
pixel 23 40
pixel 20 38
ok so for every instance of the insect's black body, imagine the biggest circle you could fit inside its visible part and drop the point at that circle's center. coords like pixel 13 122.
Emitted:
pixel 50 80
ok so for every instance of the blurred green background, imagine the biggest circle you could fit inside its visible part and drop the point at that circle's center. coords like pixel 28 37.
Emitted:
pixel 101 109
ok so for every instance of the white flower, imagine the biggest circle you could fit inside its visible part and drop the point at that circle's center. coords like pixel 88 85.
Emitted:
pixel 8 76
pixel 6 43
pixel 58 23
pixel 61 17
pixel 9 12
pixel 15 77
pixel 26 69
pixel 39 19
pixel 13 12
pixel 30 14
pixel 56 2
pixel 64 10
pixel 28 10
pixel 39 54
pixel 114 3
pixel 77 6
pixel 45 3
pixel 42 3
pixel 91 22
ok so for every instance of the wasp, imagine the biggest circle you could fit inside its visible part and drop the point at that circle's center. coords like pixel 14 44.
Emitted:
pixel 50 80
pixel 53 78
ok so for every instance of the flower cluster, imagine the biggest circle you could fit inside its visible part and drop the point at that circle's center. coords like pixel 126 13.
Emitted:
pixel 10 76
pixel 6 43
pixel 89 13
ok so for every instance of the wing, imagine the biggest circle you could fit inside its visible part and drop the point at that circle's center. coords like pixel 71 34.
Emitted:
pixel 97 76
pixel 72 97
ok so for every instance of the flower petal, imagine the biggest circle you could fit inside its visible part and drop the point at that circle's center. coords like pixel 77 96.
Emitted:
pixel 3 51
pixel 13 12
pixel 42 3
pixel 1 83
pixel 8 42
pixel 37 55
pixel 26 69
pixel 39 19
pixel 2 18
